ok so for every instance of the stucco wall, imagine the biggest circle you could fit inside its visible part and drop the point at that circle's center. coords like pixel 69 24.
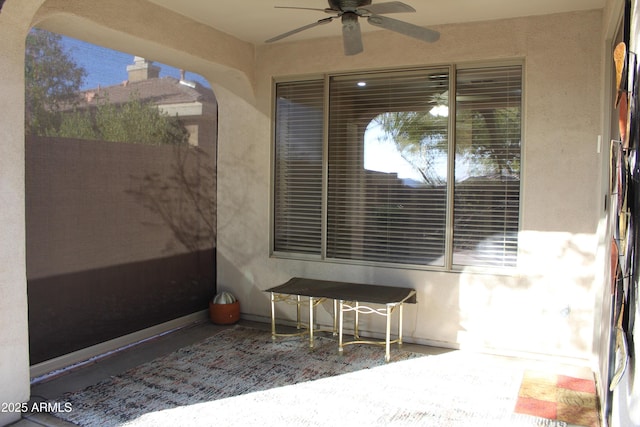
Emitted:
pixel 526 311
pixel 14 345
pixel 547 306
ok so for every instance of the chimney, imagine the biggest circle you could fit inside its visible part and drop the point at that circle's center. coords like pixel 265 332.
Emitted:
pixel 142 70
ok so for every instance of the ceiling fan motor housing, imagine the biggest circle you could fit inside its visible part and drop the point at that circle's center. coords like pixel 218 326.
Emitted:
pixel 348 5
pixel 350 10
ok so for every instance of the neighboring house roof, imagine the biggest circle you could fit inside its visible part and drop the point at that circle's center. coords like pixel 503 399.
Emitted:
pixel 158 91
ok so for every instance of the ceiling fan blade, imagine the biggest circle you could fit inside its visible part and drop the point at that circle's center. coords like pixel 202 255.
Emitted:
pixel 297 30
pixel 307 8
pixel 388 7
pixel 405 28
pixel 351 34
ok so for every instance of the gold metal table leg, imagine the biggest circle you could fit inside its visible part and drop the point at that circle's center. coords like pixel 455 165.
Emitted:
pixel 273 317
pixel 335 317
pixel 311 306
pixel 302 328
pixel 356 333
pixel 400 325
pixel 340 325
pixel 387 354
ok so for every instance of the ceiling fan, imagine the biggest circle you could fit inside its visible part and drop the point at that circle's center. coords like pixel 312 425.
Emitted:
pixel 350 10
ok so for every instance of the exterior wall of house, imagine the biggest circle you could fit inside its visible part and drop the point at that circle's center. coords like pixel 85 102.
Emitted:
pixel 547 305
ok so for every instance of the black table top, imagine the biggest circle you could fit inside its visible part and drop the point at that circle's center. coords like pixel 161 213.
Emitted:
pixel 346 291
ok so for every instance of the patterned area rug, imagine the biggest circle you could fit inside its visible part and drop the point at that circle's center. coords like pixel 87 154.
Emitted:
pixel 240 377
pixel 560 397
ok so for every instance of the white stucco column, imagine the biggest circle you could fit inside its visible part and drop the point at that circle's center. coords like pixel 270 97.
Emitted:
pixel 15 19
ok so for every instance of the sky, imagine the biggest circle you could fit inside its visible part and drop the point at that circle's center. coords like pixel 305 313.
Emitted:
pixel 106 67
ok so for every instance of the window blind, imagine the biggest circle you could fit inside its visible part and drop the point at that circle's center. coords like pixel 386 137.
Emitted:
pixel 487 166
pixel 298 167
pixel 384 213
pixel 388 196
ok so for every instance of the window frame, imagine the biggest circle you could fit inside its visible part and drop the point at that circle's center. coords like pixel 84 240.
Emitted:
pixel 448 265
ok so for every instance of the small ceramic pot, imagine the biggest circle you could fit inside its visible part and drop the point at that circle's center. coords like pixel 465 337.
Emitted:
pixel 224 314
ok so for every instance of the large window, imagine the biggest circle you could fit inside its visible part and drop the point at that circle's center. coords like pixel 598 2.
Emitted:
pixel 388 168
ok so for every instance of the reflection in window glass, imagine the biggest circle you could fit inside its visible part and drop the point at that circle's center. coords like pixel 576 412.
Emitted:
pixel 487 190
pixel 416 159
pixel 387 168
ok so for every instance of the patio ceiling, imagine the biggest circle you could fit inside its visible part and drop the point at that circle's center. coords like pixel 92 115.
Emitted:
pixel 257 20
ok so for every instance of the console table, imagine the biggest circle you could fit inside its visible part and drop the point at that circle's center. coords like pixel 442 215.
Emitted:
pixel 347 297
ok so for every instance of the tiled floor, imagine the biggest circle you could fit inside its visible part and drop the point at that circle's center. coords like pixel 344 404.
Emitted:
pixel 546 384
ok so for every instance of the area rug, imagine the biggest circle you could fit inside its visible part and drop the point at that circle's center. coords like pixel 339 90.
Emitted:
pixel 559 397
pixel 240 377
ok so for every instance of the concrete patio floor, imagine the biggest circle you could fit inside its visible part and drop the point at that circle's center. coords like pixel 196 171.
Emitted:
pixel 80 378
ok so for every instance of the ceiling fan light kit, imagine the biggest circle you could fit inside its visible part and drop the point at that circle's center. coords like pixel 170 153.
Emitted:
pixel 351 10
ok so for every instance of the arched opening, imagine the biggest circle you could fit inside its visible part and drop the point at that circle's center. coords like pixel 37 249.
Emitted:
pixel 120 193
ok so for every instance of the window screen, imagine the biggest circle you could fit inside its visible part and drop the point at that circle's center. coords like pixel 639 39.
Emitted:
pixel 120 164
